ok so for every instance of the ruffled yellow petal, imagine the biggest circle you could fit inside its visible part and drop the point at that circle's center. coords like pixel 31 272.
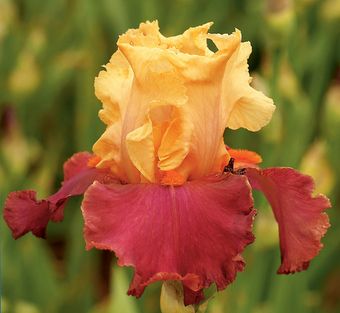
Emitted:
pixel 197 67
pixel 167 101
pixel 171 77
pixel 193 41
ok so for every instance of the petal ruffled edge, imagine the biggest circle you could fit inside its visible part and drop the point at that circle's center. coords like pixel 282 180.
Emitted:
pixel 300 215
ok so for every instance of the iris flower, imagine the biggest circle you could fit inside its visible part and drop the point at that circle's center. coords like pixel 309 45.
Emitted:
pixel 161 189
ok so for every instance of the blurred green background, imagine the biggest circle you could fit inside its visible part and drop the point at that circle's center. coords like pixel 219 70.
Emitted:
pixel 50 52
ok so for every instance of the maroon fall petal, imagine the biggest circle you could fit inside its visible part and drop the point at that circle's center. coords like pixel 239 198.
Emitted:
pixel 302 222
pixel 193 233
pixel 24 213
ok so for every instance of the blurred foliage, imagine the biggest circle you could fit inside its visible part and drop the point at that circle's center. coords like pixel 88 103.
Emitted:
pixel 50 52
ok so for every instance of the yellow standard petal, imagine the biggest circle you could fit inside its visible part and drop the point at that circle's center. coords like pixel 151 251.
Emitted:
pixel 167 101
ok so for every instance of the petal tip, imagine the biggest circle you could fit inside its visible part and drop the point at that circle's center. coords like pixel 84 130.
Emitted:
pixel 24 213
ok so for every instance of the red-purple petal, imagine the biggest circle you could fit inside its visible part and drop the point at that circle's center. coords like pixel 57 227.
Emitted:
pixel 193 233
pixel 24 213
pixel 302 222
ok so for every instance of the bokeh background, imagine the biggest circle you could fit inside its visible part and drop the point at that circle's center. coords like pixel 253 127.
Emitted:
pixel 50 52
